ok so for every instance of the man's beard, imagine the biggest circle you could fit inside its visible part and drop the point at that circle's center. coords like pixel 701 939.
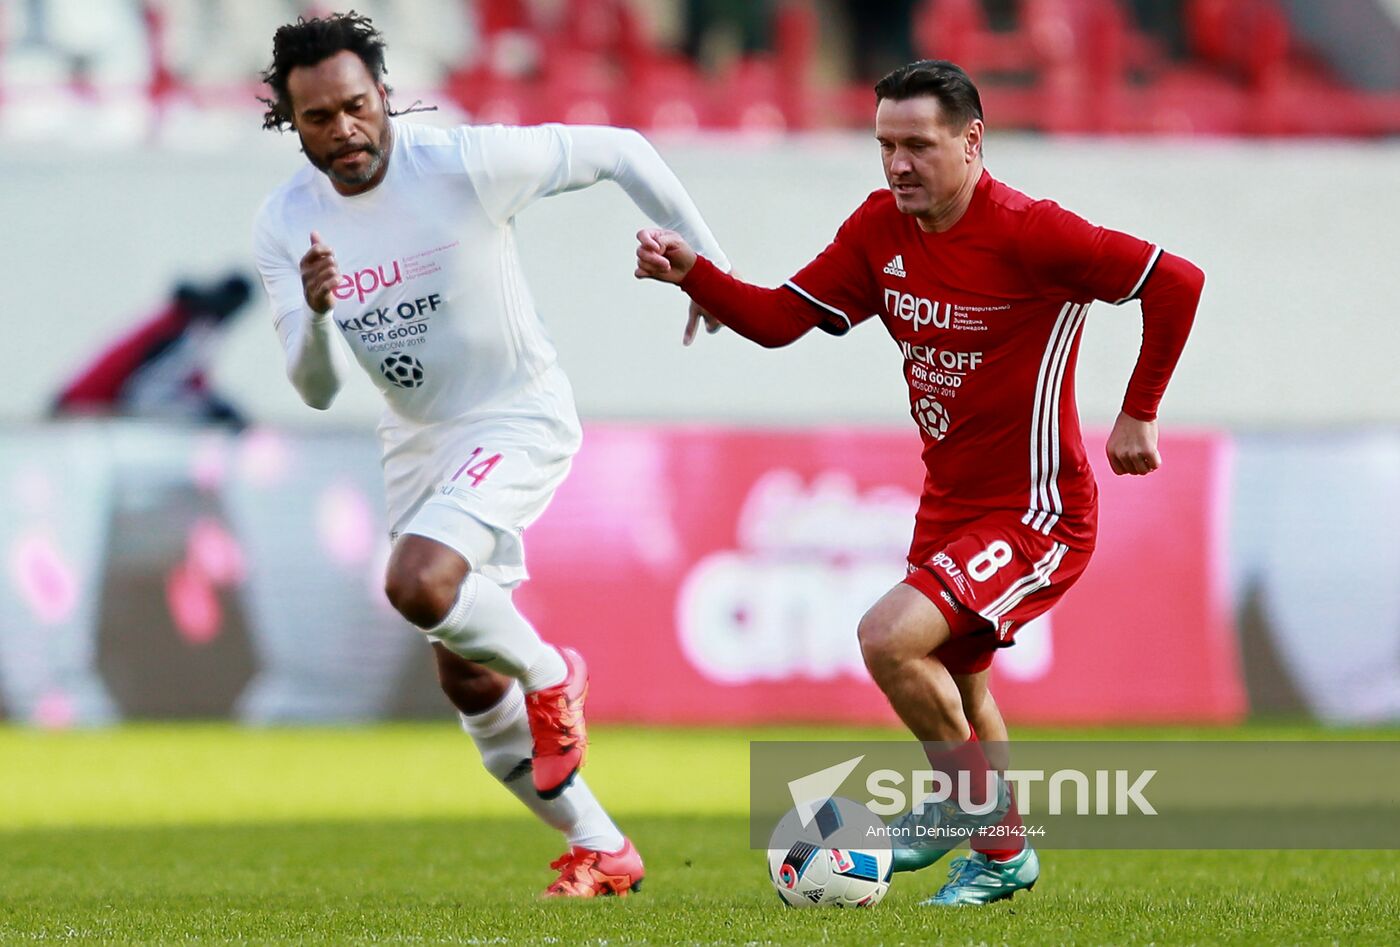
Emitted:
pixel 372 167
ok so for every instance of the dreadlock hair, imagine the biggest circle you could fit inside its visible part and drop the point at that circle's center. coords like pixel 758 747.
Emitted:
pixel 308 42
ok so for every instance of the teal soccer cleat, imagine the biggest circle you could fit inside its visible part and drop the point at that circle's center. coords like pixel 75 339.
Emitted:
pixel 977 879
pixel 918 839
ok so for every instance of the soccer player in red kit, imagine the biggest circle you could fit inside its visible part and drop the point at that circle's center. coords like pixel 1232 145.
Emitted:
pixel 985 291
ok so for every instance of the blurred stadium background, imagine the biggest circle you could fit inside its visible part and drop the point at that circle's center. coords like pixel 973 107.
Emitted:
pixel 733 510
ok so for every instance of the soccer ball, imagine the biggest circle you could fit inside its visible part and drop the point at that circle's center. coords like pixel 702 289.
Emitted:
pixel 831 862
pixel 807 876
pixel 405 371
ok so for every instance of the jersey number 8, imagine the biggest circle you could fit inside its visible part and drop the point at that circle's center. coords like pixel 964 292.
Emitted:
pixel 985 564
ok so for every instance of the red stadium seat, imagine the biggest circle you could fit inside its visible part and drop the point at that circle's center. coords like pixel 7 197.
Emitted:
pixel 1061 66
pixel 665 93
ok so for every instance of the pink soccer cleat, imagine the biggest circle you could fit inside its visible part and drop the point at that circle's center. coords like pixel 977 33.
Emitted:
pixel 555 715
pixel 585 873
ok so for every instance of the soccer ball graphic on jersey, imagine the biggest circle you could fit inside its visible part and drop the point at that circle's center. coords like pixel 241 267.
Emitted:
pixel 932 417
pixel 833 861
pixel 402 370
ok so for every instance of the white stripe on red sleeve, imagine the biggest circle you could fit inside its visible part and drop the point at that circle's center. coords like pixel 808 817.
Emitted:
pixel 817 302
pixel 1147 271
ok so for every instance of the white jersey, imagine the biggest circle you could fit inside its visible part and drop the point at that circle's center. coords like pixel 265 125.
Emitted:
pixel 432 300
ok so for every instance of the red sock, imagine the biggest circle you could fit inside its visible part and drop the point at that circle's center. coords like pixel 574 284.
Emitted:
pixel 1008 842
pixel 959 762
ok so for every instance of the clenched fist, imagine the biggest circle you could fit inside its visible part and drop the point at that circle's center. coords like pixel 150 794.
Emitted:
pixel 663 255
pixel 1132 447
pixel 319 275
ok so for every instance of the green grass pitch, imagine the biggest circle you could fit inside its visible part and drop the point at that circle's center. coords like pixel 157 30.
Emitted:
pixel 212 834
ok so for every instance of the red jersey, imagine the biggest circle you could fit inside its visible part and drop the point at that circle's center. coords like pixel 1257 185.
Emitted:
pixel 988 317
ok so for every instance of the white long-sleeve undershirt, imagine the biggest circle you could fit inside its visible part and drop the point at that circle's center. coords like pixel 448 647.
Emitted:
pixel 315 364
pixel 601 153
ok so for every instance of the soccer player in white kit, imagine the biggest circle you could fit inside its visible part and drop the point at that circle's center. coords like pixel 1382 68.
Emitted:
pixel 399 239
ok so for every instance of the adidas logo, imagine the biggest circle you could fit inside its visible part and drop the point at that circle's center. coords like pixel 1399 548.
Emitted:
pixel 896 266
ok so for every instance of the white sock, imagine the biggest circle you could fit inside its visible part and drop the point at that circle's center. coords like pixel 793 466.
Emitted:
pixel 503 737
pixel 484 626
pixel 547 671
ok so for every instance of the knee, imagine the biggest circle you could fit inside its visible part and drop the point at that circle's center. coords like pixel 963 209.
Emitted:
pixel 423 591
pixel 894 633
pixel 422 601
pixel 879 645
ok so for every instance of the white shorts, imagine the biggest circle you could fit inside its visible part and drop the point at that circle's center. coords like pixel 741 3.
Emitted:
pixel 447 480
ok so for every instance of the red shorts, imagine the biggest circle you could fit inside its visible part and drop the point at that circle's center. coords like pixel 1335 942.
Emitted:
pixel 988 577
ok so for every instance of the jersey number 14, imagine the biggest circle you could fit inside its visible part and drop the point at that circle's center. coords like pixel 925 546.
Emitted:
pixel 476 470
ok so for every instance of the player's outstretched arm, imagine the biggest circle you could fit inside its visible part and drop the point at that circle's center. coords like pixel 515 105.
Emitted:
pixel 512 166
pixel 627 158
pixel 770 317
pixel 1169 297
